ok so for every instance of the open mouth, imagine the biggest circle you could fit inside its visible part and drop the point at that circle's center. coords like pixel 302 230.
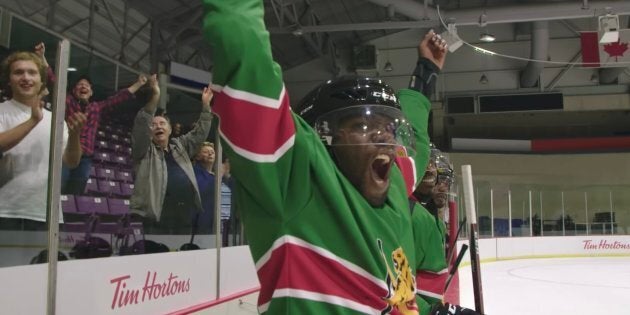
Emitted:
pixel 381 166
pixel 429 178
pixel 159 133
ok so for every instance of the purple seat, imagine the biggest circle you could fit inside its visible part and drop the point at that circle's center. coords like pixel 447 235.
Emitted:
pixel 105 173
pixel 101 135
pixel 102 157
pixel 108 187
pixel 126 140
pixel 118 206
pixel 120 130
pixel 117 147
pixel 102 145
pixel 92 186
pixel 121 160
pixel 115 138
pixel 126 190
pixel 68 204
pixel 89 205
pixel 124 176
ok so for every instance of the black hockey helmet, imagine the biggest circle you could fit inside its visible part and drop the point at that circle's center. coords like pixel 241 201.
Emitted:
pixel 329 104
pixel 444 169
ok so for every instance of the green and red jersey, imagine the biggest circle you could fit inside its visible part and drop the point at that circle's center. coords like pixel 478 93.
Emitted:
pixel 431 267
pixel 318 245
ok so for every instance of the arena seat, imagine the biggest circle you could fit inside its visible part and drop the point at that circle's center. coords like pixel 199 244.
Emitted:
pixel 102 157
pixel 124 175
pixel 108 187
pixel 126 190
pixel 105 173
pixel 118 206
pixel 90 204
pixel 68 204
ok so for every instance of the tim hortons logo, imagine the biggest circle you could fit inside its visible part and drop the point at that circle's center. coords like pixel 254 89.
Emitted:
pixel 153 289
pixel 604 244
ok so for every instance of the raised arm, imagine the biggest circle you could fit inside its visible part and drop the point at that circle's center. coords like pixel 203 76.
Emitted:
pixel 40 50
pixel 193 139
pixel 141 131
pixel 256 124
pixel 124 94
pixel 133 88
pixel 415 100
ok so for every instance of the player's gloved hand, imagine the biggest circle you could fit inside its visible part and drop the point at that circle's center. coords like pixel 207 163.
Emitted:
pixel 451 309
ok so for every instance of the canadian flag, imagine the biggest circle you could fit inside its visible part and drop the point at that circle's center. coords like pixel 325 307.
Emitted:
pixel 597 55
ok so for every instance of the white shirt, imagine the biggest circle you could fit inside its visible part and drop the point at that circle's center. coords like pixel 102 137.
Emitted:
pixel 24 168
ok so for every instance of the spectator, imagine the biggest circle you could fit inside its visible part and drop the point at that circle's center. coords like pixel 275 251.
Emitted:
pixel 323 196
pixel 204 172
pixel 80 100
pixel 422 194
pixel 25 129
pixel 226 202
pixel 165 185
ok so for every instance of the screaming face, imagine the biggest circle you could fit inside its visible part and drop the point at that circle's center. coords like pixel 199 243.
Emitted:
pixel 161 130
pixel 82 90
pixel 365 152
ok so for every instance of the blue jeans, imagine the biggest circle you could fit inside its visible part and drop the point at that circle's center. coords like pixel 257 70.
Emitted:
pixel 73 180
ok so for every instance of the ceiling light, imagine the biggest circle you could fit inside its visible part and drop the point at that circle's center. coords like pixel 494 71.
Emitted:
pixel 298 32
pixel 487 37
pixel 483 79
pixel 388 67
pixel 70 69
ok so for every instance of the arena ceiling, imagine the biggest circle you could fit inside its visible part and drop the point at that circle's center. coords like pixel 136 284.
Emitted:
pixel 141 33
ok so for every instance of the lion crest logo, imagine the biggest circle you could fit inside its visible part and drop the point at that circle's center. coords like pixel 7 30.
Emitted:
pixel 401 283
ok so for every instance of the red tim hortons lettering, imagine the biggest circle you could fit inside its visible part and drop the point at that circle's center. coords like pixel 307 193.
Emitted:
pixel 153 289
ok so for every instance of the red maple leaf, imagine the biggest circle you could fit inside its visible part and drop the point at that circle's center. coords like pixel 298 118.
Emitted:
pixel 616 49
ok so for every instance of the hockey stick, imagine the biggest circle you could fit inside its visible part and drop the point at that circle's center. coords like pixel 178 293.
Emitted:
pixel 451 250
pixel 471 215
pixel 455 266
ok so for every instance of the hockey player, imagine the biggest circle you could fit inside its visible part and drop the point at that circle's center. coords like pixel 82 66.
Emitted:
pixel 326 208
pixel 430 200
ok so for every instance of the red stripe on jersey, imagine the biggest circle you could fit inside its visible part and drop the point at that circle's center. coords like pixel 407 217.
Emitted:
pixel 295 267
pixel 431 282
pixel 406 166
pixel 252 127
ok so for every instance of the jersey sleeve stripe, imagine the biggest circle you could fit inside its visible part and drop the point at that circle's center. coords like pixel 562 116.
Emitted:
pixel 255 99
pixel 430 282
pixel 259 133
